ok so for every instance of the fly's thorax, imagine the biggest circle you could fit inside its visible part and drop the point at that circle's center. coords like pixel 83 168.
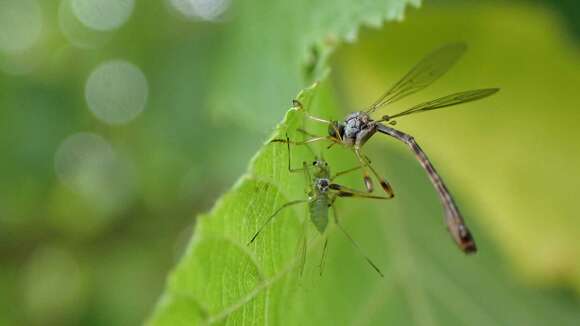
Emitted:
pixel 355 124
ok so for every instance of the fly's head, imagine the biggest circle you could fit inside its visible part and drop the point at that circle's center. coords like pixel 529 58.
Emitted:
pixel 320 168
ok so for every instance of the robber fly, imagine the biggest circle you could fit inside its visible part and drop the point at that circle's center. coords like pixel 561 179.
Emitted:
pixel 358 127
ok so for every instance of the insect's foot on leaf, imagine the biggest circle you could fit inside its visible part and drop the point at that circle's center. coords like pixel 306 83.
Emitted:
pixel 297 104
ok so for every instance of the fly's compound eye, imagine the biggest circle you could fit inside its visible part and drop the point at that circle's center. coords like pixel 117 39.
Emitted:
pixel 314 163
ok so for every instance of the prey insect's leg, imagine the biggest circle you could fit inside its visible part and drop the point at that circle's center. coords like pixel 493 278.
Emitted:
pixel 288 204
pixel 354 243
pixel 290 169
pixel 307 178
pixel 303 249
pixel 323 258
pixel 342 191
pixel 368 183
pixel 453 218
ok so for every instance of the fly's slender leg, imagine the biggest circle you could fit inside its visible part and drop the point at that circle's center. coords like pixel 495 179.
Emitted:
pixel 354 243
pixel 342 191
pixel 311 135
pixel 288 204
pixel 341 173
pixel 290 169
pixel 317 119
pixel 368 181
pixel 299 106
pixel 303 131
pixel 323 258
pixel 306 141
pixel 453 218
pixel 366 162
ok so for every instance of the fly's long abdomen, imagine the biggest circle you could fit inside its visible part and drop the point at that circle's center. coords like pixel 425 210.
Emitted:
pixel 319 212
pixel 455 222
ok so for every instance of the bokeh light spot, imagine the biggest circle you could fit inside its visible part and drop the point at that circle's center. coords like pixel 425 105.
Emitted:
pixel 87 164
pixel 76 32
pixel 103 15
pixel 116 92
pixel 80 152
pixel 20 24
pixel 210 10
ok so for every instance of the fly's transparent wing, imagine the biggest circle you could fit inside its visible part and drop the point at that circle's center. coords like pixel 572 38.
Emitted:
pixel 449 100
pixel 428 70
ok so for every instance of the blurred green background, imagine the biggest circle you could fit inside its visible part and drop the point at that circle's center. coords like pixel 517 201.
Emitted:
pixel 118 125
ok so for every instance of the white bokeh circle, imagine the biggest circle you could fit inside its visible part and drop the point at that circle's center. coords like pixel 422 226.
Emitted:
pixel 209 10
pixel 103 15
pixel 87 164
pixel 116 92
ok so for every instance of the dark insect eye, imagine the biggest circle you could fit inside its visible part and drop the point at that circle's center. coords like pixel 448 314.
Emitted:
pixel 314 163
